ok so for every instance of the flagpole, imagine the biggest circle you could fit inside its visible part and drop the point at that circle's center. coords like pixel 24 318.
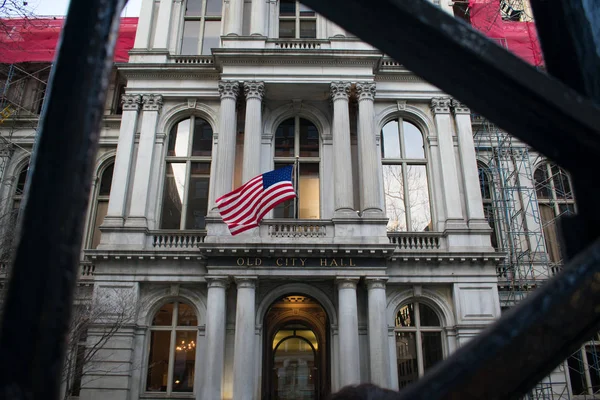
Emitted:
pixel 296 186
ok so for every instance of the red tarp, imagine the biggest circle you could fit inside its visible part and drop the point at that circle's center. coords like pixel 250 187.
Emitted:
pixel 518 37
pixel 35 39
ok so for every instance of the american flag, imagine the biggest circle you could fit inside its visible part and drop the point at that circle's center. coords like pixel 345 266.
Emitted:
pixel 245 207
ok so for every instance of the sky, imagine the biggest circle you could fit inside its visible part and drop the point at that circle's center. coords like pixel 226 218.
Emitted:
pixel 59 7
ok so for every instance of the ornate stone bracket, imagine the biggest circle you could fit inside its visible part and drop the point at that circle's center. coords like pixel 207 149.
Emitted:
pixel 366 90
pixel 131 102
pixel 229 89
pixel 441 105
pixel 254 90
pixel 340 90
pixel 460 108
pixel 152 102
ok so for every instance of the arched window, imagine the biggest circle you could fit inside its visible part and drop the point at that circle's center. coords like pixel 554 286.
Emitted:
pixel 201 26
pixel 405 177
pixel 298 139
pixel 172 358
pixel 101 203
pixel 555 198
pixel 296 21
pixel 486 186
pixel 9 220
pixel 185 197
pixel 418 341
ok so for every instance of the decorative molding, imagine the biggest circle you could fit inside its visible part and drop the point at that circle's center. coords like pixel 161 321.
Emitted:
pixel 191 103
pixel 249 282
pixel 254 90
pixel 131 102
pixel 441 105
pixel 153 102
pixel 340 90
pixel 366 90
pixel 376 283
pixel 217 282
pixel 346 282
pixel 229 89
pixel 401 104
pixel 174 289
pixel 460 108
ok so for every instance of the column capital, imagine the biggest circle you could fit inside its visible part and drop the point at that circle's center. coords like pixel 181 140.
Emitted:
pixel 246 281
pixel 441 105
pixel 152 102
pixel 131 102
pixel 460 108
pixel 366 90
pixel 254 90
pixel 376 283
pixel 347 282
pixel 217 281
pixel 340 90
pixel 229 89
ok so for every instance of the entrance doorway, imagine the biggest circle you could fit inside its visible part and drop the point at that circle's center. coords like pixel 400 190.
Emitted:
pixel 296 357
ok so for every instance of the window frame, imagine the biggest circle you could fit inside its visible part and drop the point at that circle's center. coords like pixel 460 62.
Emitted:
pixel 417 329
pixel 173 328
pixel 489 204
pixel 593 344
pixel 188 160
pixel 97 197
pixel 404 162
pixel 297 18
pixel 291 160
pixel 202 18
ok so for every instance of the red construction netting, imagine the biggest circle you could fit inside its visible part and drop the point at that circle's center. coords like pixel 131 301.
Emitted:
pixel 35 39
pixel 518 37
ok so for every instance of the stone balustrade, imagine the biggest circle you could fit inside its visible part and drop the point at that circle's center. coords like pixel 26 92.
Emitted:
pixel 416 241
pixel 196 60
pixel 177 240
pixel 297 229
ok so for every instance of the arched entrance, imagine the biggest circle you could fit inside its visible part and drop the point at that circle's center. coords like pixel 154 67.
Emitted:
pixel 296 363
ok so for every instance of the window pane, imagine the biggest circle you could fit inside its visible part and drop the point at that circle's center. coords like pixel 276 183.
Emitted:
pixel 550 233
pixel 390 136
pixel 484 183
pixel 173 196
pixel 164 316
pixel 432 348
pixel 309 139
pixel 179 139
pixel 185 360
pixel 406 356
pixel 193 7
pixel 594 365
pixel 158 361
pixel 212 39
pixel 542 183
pixel 488 212
pixel 101 209
pixel 308 193
pixel 305 11
pixel 413 141
pixel 287 29
pixel 577 374
pixel 106 180
pixel 197 205
pixel 284 139
pixel 393 186
pixel 214 7
pixel 308 29
pixel 21 181
pixel 287 7
pixel 418 192
pixel 203 134
pixel 561 183
pixel 285 209
pixel 406 316
pixel 191 35
pixel 186 316
pixel 427 316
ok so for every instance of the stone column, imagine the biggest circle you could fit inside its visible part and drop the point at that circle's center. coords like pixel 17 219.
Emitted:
pixel 253 129
pixel 470 175
pixel 235 17
pixel 342 155
pixel 243 352
pixel 115 215
pixel 224 162
pixel 214 358
pixel 450 188
pixel 143 166
pixel 257 21
pixel 378 332
pixel 371 189
pixel 142 35
pixel 163 25
pixel 348 331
